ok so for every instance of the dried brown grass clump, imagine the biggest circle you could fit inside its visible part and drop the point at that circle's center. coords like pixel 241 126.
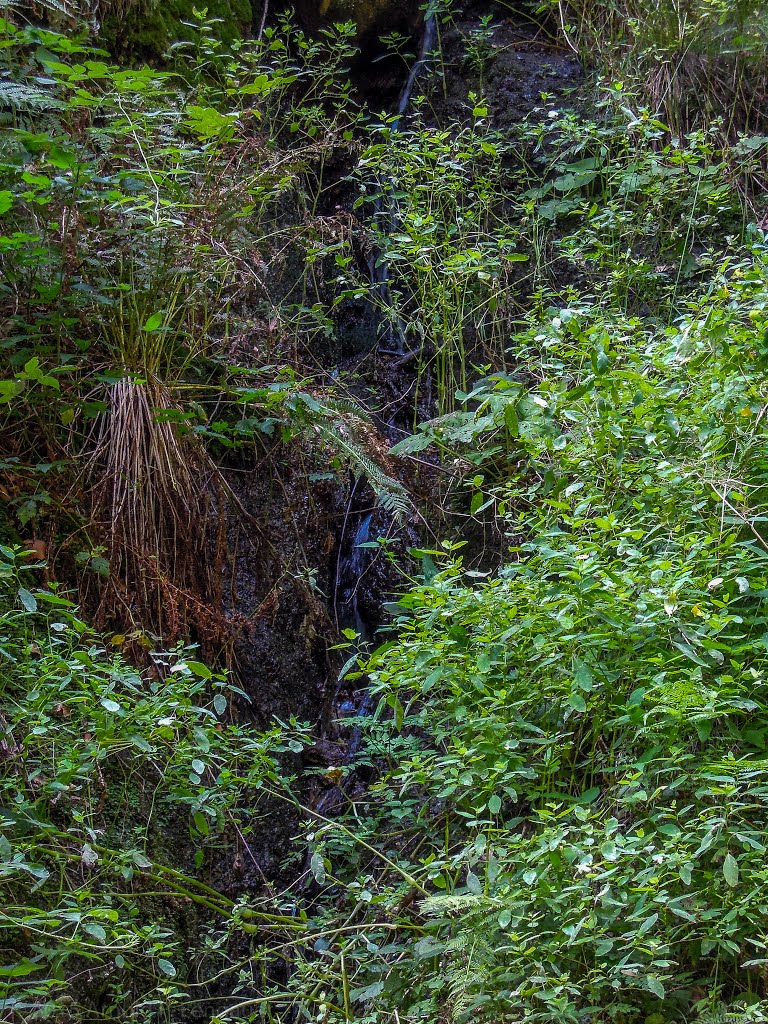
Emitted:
pixel 691 61
pixel 157 502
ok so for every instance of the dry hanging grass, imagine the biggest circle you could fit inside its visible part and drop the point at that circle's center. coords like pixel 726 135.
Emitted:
pixel 155 500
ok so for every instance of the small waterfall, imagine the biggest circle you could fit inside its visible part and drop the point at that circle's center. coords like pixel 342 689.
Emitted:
pixel 427 43
pixel 351 567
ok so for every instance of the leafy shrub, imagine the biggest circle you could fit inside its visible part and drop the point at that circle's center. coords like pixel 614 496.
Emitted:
pixel 104 772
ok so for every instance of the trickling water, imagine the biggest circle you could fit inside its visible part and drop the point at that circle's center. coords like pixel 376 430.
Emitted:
pixel 427 44
pixel 351 567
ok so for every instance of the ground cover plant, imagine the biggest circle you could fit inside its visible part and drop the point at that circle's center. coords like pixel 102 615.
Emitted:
pixel 549 801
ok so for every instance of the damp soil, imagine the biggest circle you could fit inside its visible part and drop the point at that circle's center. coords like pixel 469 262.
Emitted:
pixel 519 67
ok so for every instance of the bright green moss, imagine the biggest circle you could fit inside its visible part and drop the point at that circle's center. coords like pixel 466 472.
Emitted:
pixel 146 29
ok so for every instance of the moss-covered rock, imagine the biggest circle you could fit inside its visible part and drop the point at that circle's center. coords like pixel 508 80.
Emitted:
pixel 145 29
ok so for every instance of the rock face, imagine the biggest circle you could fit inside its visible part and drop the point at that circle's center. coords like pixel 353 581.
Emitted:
pixel 373 18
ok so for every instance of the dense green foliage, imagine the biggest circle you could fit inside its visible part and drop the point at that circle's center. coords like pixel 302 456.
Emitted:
pixel 559 805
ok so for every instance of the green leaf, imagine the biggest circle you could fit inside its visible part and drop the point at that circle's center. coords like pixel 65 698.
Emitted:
pixel 365 995
pixel 28 600
pixel 219 703
pixel 589 795
pixel 647 924
pixel 317 867
pixel 577 702
pixel 109 704
pixel 9 389
pixel 167 968
pixel 199 669
pixel 655 986
pixel 19 970
pixel 494 804
pixel 583 677
pixel 731 870
pixel 6 201
pixel 257 87
pixel 96 930
pixel 154 322
pixel 608 850
pixel 394 702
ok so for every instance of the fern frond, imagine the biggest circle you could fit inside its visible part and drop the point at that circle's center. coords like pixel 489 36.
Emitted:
pixel 345 406
pixel 69 10
pixel 390 493
pixel 451 903
pixel 19 96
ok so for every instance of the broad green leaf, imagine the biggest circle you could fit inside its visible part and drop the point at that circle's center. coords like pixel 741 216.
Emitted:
pixel 199 669
pixel 655 986
pixel 473 883
pixel 731 870
pixel 317 867
pixel 167 968
pixel 577 702
pixel 154 323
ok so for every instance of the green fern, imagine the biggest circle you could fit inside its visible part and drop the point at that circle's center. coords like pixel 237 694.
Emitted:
pixel 20 96
pixel 474 953
pixel 57 6
pixel 722 1015
pixel 390 493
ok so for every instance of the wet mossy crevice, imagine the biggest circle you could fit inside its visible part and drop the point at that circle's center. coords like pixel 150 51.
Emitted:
pixel 144 30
